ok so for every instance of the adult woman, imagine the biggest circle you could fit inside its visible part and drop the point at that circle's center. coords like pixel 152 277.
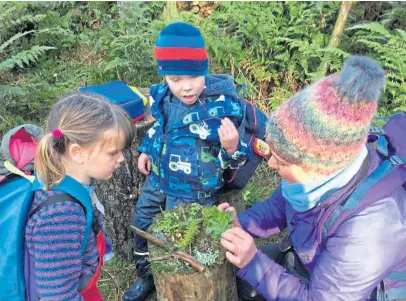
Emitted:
pixel 318 143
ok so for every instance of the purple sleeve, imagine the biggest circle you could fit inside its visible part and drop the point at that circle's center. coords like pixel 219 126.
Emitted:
pixel 349 268
pixel 56 248
pixel 265 218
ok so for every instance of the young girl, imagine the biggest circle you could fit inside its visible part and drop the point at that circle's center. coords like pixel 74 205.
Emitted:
pixel 84 140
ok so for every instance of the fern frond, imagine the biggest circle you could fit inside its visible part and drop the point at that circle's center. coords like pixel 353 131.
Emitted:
pixel 24 57
pixel 35 19
pixel 14 38
pixel 374 27
pixel 10 91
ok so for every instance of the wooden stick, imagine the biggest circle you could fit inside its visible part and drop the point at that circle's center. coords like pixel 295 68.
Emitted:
pixel 183 256
pixel 176 254
pixel 150 237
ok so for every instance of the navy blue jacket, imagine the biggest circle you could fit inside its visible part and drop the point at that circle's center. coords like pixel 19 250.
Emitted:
pixel 183 144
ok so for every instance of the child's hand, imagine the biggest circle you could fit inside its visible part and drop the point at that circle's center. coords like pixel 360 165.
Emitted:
pixel 228 136
pixel 144 164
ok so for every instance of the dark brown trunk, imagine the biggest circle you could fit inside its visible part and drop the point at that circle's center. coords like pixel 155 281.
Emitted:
pixel 216 284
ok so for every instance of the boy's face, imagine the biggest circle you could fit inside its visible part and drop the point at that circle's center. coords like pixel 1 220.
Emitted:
pixel 187 88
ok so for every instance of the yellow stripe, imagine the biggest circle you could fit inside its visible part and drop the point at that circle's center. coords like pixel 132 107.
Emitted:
pixel 144 99
pixel 18 172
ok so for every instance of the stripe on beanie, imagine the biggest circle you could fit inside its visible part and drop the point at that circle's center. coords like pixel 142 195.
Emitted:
pixel 180 41
pixel 180 53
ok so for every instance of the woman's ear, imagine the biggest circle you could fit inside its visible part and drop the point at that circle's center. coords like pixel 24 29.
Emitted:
pixel 77 153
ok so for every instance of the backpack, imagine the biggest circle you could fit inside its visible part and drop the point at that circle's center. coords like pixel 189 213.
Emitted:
pixel 390 174
pixel 17 189
pixel 252 132
pixel 119 93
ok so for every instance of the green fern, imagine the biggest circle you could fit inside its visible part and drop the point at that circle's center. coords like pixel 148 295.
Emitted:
pixel 389 48
pixel 11 91
pixel 14 38
pixel 272 45
pixel 189 236
pixel 24 57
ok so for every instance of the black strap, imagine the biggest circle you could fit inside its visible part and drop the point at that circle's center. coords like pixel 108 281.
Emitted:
pixel 57 198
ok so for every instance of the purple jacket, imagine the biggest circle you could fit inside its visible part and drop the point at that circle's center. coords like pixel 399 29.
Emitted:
pixel 348 265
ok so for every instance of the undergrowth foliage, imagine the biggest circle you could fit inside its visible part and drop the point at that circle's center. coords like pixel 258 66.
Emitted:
pixel 53 47
pixel 49 48
pixel 389 48
pixel 193 229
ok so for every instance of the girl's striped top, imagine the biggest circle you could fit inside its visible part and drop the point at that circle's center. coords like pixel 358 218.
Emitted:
pixel 54 236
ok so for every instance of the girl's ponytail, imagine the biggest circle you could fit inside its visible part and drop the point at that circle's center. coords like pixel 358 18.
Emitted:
pixel 48 165
pixel 77 118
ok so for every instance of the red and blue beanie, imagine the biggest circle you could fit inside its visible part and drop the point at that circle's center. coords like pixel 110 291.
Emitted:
pixel 180 50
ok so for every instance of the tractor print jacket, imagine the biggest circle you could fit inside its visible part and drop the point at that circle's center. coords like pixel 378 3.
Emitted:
pixel 186 155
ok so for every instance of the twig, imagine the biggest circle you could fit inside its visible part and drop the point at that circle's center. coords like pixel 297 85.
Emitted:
pixel 176 254
pixel 151 238
pixel 181 255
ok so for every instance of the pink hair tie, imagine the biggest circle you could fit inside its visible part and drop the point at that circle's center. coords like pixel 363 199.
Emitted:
pixel 57 133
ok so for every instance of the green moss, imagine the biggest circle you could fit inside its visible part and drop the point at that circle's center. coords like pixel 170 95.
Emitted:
pixel 193 229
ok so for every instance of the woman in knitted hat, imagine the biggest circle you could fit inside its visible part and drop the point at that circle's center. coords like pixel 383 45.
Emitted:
pixel 318 143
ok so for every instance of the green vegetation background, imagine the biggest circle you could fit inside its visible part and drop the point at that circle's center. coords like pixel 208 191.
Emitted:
pixel 276 48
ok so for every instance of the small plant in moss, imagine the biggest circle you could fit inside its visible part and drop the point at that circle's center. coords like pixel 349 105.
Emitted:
pixel 193 229
pixel 217 221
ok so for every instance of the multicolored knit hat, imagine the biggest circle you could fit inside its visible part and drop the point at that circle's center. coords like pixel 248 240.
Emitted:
pixel 180 50
pixel 323 127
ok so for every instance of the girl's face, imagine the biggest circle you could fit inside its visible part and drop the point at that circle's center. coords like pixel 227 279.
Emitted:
pixel 105 156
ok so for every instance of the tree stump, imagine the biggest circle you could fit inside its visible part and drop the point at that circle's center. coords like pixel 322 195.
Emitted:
pixel 234 198
pixel 119 195
pixel 216 284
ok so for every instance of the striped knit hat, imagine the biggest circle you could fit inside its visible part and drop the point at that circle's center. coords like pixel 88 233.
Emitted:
pixel 323 127
pixel 180 50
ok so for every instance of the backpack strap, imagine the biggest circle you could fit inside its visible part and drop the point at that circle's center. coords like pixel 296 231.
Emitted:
pixel 241 129
pixel 389 175
pixel 336 213
pixel 241 90
pixel 16 171
pixel 376 186
pixel 62 197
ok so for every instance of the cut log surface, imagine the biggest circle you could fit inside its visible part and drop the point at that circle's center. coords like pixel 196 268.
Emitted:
pixel 217 283
pixel 119 195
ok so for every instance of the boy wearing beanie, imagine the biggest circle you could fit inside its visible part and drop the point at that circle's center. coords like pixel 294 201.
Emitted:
pixel 318 142
pixel 193 140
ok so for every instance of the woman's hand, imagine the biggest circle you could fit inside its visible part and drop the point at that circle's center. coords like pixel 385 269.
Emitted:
pixel 228 135
pixel 144 164
pixel 240 246
pixel 227 207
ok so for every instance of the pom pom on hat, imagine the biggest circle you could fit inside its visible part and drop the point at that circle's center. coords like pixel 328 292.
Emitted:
pixel 323 127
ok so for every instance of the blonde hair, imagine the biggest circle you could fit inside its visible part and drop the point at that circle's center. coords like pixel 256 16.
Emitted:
pixel 83 119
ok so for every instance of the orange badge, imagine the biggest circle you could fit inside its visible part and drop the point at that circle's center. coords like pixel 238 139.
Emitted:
pixel 262 148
